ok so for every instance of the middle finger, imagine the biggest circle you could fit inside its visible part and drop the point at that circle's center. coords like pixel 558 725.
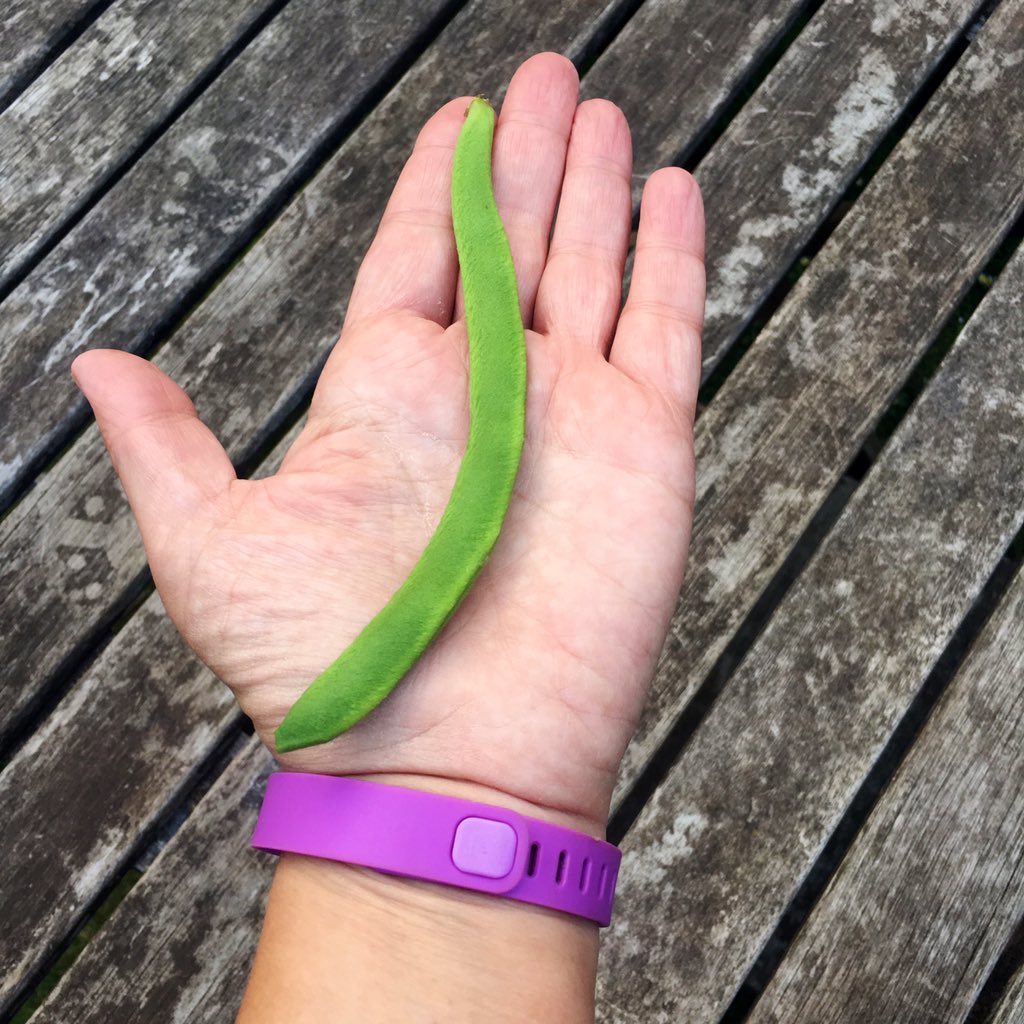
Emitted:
pixel 528 162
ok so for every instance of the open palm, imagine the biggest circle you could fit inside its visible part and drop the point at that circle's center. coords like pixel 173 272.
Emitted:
pixel 534 686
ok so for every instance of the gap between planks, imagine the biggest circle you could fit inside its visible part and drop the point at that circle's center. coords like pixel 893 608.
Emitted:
pixel 99 108
pixel 744 814
pixel 874 785
pixel 1011 1008
pixel 52 28
pixel 932 889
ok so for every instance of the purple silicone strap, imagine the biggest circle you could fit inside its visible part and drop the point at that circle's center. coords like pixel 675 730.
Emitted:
pixel 440 839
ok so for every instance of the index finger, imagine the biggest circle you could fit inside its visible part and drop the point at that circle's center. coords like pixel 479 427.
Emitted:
pixel 411 264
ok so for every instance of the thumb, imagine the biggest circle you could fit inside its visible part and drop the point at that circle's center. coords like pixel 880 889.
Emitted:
pixel 171 465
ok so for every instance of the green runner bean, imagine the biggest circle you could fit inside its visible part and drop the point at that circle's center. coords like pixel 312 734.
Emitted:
pixel 371 666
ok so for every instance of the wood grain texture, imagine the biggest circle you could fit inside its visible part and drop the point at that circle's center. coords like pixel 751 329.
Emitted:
pixel 96 104
pixel 783 164
pixel 1011 1008
pixel 29 31
pixel 201 187
pixel 720 850
pixel 102 796
pixel 125 743
pixel 196 914
pixel 933 887
pixel 253 347
pixel 795 410
pixel 649 70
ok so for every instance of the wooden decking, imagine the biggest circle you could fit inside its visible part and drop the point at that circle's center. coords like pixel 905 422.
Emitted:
pixel 822 812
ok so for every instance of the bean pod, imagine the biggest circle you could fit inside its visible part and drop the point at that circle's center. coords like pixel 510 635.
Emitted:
pixel 372 665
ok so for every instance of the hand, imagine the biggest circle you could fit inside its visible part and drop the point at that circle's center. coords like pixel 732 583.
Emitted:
pixel 533 689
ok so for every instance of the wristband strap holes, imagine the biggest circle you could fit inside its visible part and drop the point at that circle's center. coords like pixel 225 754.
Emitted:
pixel 531 863
pixel 560 870
pixel 603 883
pixel 585 875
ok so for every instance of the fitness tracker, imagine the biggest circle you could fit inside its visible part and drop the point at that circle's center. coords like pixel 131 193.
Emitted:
pixel 437 838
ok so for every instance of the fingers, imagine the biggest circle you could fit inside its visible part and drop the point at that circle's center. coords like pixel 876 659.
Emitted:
pixel 580 292
pixel 170 464
pixel 411 264
pixel 528 162
pixel 657 342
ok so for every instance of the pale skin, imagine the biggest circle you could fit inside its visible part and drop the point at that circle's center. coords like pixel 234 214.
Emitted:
pixel 530 694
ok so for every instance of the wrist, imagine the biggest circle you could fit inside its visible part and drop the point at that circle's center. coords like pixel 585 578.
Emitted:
pixel 400 949
pixel 458 912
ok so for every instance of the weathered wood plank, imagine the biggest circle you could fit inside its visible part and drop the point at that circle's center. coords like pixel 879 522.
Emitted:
pixel 1011 1008
pixel 795 410
pixel 934 885
pixel 246 354
pixel 199 191
pixel 720 850
pixel 157 713
pixel 195 915
pixel 648 69
pixel 29 32
pixel 96 104
pixel 786 160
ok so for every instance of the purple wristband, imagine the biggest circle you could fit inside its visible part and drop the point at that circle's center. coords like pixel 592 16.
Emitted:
pixel 438 838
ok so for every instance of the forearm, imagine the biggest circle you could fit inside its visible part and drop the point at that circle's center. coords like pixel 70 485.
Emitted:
pixel 348 943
